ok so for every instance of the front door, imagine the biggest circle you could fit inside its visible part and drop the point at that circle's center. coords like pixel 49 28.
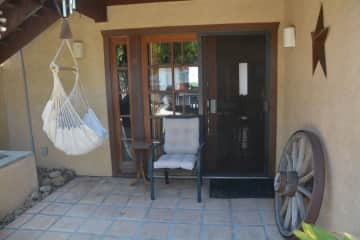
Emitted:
pixel 236 104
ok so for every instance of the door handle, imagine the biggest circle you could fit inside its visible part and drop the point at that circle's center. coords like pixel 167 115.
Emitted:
pixel 212 105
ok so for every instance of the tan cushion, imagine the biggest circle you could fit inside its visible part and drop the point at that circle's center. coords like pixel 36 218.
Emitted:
pixel 181 135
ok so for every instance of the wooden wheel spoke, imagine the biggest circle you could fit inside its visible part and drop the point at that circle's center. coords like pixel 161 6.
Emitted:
pixel 294 213
pixel 289 163
pixel 294 151
pixel 301 153
pixel 284 207
pixel 307 164
pixel 300 205
pixel 306 178
pixel 288 216
pixel 304 191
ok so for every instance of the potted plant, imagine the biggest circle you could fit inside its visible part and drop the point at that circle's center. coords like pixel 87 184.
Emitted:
pixel 311 232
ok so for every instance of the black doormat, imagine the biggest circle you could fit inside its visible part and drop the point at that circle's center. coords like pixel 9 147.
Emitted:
pixel 242 188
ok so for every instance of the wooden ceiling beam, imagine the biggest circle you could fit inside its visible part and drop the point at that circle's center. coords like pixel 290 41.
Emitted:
pixel 18 14
pixel 95 9
pixel 125 2
pixel 30 29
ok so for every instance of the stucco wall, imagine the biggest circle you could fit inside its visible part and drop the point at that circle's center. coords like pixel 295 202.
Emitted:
pixel 4 134
pixel 17 181
pixel 329 106
pixel 15 105
pixel 38 55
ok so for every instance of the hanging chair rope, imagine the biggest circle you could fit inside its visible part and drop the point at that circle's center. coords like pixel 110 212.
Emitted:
pixel 68 120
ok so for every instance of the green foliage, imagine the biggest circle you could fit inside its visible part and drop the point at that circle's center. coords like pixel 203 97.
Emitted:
pixel 121 55
pixel 311 232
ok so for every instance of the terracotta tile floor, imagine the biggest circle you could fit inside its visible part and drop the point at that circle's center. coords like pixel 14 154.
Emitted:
pixel 94 208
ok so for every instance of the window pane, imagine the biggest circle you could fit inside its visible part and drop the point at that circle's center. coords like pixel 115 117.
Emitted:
pixel 157 128
pixel 191 53
pixel 192 103
pixel 124 99
pixel 160 78
pixel 179 103
pixel 125 128
pixel 159 53
pixel 123 79
pixel 121 55
pixel 178 55
pixel 161 104
pixel 126 151
pixel 186 78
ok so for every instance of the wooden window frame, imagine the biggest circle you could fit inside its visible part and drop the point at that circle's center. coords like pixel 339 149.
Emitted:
pixel 115 125
pixel 163 38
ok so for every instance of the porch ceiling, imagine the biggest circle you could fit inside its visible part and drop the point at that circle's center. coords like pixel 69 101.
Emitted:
pixel 22 20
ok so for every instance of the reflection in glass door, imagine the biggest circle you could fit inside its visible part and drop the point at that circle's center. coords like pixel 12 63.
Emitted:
pixel 172 78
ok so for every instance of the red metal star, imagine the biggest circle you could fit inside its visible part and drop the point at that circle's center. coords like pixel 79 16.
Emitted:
pixel 319 37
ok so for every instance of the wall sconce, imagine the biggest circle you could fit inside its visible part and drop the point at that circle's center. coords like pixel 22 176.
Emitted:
pixel 78 49
pixel 289 37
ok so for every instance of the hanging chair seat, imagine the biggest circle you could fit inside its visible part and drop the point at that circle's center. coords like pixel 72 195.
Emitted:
pixel 68 120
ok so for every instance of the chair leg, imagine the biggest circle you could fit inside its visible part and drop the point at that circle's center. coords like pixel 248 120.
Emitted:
pixel 199 183
pixel 166 172
pixel 199 189
pixel 151 176
pixel 152 190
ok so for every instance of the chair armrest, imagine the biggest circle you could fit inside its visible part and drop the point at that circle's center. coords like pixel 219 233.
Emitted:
pixel 153 147
pixel 156 145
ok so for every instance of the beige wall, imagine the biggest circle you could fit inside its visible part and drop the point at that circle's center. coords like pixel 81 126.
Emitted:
pixel 38 55
pixel 17 181
pixel 4 133
pixel 15 105
pixel 329 106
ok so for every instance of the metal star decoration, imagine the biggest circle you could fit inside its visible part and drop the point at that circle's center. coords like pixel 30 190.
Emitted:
pixel 318 38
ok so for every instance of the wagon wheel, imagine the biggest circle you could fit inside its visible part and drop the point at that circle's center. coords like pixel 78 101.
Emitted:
pixel 299 182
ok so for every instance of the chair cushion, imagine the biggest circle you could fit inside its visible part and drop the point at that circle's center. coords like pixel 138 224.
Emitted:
pixel 181 135
pixel 173 161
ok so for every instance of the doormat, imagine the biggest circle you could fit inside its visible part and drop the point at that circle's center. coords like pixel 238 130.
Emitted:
pixel 242 188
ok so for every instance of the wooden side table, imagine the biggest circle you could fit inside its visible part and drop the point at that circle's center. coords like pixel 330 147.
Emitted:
pixel 140 171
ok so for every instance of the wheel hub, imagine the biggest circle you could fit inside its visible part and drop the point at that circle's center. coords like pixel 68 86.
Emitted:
pixel 286 183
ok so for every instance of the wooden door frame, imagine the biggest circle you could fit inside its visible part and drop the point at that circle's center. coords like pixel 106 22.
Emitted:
pixel 271 27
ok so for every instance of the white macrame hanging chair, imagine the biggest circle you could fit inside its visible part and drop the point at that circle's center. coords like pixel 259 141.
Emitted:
pixel 68 120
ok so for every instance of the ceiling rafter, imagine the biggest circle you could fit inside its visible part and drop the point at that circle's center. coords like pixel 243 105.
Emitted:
pixel 125 2
pixel 22 20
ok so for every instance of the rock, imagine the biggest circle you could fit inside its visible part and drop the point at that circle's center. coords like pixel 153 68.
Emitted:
pixel 9 218
pixel 45 188
pixel 58 181
pixel 45 194
pixel 55 174
pixel 45 181
pixel 28 203
pixel 35 196
pixel 19 211
pixel 68 175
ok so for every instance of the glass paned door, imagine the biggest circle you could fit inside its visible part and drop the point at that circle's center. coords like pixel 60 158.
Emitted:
pixel 122 104
pixel 172 78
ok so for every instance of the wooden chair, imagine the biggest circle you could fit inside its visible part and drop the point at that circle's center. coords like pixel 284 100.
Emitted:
pixel 183 149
